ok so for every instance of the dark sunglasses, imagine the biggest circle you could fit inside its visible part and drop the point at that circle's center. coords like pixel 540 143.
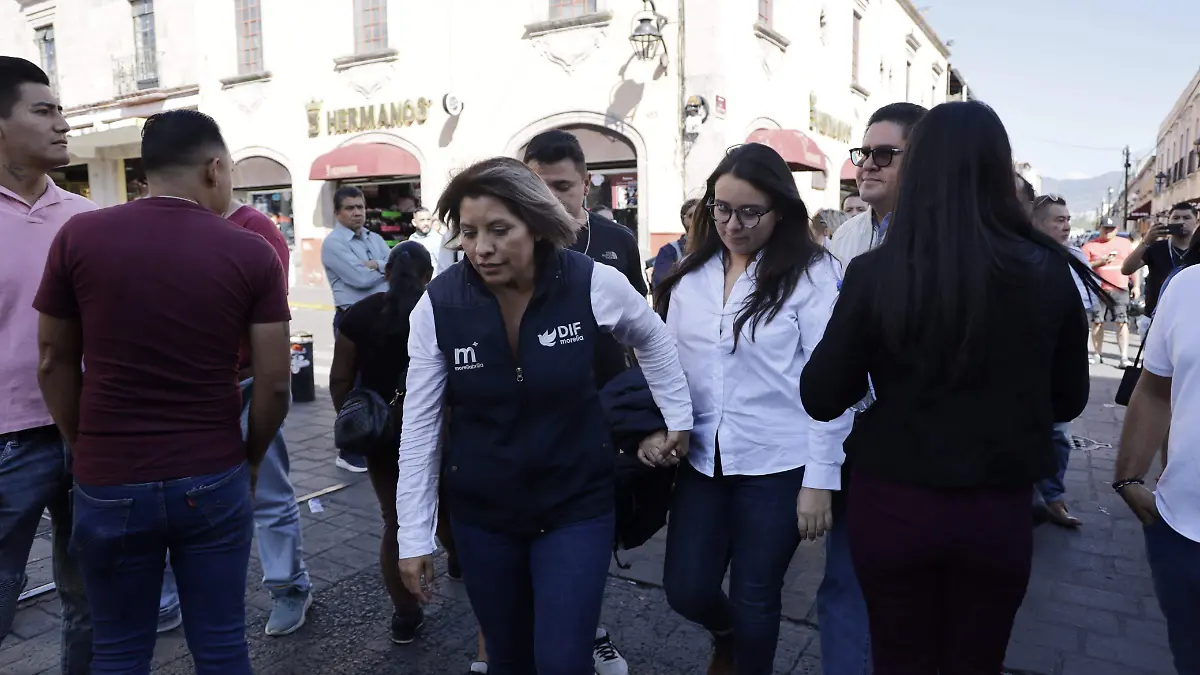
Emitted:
pixel 881 156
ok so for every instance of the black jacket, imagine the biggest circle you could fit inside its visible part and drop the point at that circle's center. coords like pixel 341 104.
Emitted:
pixel 992 428
pixel 527 448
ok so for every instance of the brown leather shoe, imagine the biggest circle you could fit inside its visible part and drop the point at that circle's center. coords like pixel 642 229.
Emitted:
pixel 721 662
pixel 1057 512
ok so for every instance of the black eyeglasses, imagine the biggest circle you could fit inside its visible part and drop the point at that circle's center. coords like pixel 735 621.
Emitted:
pixel 882 156
pixel 748 216
pixel 1049 199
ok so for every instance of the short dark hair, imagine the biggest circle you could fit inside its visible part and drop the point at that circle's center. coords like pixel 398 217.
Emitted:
pixel 179 138
pixel 1185 206
pixel 905 115
pixel 344 193
pixel 687 206
pixel 15 72
pixel 556 145
pixel 852 195
pixel 1027 192
pixel 521 192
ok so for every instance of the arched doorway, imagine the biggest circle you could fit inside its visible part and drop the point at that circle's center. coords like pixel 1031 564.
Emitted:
pixel 616 159
pixel 266 184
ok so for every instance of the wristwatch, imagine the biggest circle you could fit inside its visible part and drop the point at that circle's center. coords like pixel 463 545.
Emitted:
pixel 1122 484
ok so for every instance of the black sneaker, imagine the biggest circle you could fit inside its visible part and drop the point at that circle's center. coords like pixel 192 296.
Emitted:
pixel 349 462
pixel 405 628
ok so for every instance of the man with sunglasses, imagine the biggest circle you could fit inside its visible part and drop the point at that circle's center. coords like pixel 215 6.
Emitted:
pixel 841 610
pixel 1051 215
pixel 878 162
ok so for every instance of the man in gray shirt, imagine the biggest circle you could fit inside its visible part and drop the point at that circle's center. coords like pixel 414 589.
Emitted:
pixel 354 259
pixel 353 256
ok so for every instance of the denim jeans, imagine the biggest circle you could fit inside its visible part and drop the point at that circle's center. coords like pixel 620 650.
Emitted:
pixel 537 598
pixel 841 610
pixel 276 522
pixel 122 536
pixel 1052 488
pixel 746 524
pixel 1175 565
pixel 35 476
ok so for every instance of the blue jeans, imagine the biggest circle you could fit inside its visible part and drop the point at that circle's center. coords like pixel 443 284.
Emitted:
pixel 122 536
pixel 1175 565
pixel 1052 488
pixel 746 524
pixel 841 610
pixel 276 521
pixel 537 598
pixel 34 476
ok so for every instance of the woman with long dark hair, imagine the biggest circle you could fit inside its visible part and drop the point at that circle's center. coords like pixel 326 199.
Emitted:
pixel 967 321
pixel 371 349
pixel 747 306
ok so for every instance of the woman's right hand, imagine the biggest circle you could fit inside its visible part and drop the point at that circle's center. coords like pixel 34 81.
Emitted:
pixel 417 574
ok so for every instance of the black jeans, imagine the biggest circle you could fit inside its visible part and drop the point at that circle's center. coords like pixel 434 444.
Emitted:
pixel 746 524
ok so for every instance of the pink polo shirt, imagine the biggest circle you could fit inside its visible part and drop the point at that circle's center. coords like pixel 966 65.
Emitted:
pixel 25 236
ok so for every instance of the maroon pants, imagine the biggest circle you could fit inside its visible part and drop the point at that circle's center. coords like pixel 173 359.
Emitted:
pixel 943 573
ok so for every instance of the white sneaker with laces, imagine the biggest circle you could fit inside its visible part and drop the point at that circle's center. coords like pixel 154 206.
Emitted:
pixel 607 659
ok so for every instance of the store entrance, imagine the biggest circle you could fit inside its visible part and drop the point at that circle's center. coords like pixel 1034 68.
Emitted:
pixel 73 178
pixel 391 203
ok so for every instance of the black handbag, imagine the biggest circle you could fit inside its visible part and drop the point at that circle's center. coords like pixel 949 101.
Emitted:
pixel 366 423
pixel 1132 373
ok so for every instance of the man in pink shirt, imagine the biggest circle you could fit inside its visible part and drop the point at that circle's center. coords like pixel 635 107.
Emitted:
pixel 35 469
pixel 1106 254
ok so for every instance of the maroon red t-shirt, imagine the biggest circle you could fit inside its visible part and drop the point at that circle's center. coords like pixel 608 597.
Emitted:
pixel 165 291
pixel 252 219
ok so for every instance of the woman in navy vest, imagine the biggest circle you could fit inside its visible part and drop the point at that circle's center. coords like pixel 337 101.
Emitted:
pixel 747 307
pixel 503 344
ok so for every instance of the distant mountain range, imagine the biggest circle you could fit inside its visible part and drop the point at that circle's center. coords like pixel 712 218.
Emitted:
pixel 1085 194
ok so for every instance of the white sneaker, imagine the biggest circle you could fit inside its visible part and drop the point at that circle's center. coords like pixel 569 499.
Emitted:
pixel 607 659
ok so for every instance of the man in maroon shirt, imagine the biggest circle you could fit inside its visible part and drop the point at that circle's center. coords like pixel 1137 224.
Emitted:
pixel 276 514
pixel 154 298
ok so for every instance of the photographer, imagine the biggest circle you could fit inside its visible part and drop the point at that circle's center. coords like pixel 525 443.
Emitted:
pixel 1161 252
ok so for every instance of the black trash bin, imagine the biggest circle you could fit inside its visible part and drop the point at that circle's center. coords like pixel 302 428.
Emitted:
pixel 304 388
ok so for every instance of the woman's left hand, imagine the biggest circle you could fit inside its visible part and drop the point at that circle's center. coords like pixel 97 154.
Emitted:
pixel 814 513
pixel 650 449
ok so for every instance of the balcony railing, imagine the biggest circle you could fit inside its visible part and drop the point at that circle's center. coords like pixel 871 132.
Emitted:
pixel 134 73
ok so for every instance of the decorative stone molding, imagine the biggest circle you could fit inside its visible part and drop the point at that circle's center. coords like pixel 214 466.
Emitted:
pixel 230 82
pixel 765 32
pixel 860 90
pixel 381 56
pixel 594 20
pixel 568 51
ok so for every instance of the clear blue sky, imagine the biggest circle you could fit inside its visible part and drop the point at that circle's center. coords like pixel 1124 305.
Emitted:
pixel 1065 73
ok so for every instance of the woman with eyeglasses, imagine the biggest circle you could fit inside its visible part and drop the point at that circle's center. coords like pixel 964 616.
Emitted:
pixel 939 519
pixel 747 306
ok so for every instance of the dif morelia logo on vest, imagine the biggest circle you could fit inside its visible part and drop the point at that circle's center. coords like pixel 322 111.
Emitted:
pixel 563 335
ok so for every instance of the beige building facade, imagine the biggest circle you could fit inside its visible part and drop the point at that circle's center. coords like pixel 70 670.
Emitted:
pixel 1177 153
pixel 396 95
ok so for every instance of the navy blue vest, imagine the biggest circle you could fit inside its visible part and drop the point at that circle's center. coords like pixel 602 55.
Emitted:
pixel 527 448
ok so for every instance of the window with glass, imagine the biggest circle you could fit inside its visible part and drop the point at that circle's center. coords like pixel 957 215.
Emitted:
pixel 569 9
pixel 49 56
pixel 856 29
pixel 145 44
pixel 370 26
pixel 764 12
pixel 249 32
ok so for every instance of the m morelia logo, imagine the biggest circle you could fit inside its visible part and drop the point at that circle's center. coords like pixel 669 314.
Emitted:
pixel 464 358
pixel 563 335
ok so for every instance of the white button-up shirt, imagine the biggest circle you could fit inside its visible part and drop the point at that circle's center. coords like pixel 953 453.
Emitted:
pixel 749 399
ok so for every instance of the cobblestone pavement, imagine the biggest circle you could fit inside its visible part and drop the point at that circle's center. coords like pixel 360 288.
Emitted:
pixel 1090 609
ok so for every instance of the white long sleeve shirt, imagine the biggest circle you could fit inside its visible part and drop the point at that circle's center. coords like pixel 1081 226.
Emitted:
pixel 749 399
pixel 617 308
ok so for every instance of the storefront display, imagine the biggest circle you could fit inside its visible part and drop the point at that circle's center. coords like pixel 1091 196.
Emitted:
pixel 390 206
pixel 73 178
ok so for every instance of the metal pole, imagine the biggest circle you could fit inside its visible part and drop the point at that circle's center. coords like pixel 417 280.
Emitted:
pixel 1125 226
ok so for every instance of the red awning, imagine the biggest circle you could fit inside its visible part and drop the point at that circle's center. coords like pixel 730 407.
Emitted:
pixel 365 160
pixel 1142 211
pixel 799 151
pixel 849 173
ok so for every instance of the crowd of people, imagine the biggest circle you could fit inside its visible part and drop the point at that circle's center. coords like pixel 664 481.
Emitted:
pixel 796 377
